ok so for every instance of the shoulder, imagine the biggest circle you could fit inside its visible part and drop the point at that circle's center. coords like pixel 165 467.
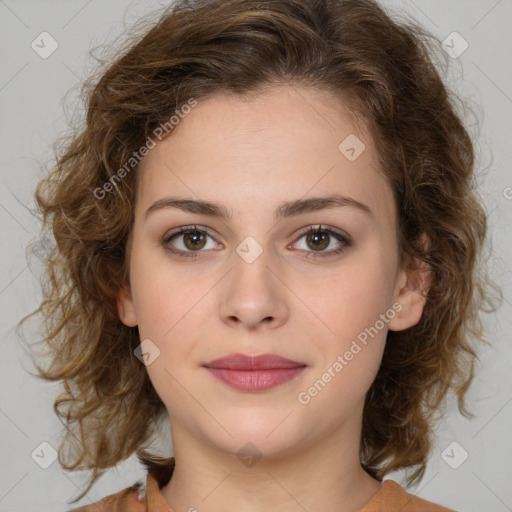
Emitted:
pixel 126 500
pixel 394 498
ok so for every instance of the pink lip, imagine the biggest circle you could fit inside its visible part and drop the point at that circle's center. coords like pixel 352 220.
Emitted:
pixel 254 373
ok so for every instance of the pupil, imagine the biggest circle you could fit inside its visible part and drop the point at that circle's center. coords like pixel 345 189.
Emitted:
pixel 318 237
pixel 195 238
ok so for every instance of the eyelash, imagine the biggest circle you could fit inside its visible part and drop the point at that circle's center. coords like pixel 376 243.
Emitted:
pixel 343 239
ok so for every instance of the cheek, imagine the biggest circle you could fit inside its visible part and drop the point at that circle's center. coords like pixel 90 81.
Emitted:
pixel 163 297
pixel 353 300
pixel 349 360
pixel 336 393
pixel 351 309
pixel 168 306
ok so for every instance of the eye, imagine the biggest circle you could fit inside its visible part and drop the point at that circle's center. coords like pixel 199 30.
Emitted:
pixel 194 239
pixel 320 238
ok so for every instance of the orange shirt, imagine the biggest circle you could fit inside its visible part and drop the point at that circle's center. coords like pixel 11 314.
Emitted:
pixel 392 497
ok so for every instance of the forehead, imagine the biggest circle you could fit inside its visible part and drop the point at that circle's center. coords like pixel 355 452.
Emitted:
pixel 281 144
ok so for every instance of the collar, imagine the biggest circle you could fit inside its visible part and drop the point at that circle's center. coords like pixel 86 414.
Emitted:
pixel 156 479
pixel 390 495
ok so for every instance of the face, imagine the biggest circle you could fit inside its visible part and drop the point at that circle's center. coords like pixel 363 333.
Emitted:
pixel 254 281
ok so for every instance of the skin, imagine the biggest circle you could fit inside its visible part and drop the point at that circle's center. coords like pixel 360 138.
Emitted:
pixel 251 154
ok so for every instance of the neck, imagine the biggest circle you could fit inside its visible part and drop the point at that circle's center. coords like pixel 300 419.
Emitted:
pixel 325 475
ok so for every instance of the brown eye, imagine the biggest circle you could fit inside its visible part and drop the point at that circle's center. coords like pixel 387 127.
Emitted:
pixel 188 241
pixel 318 240
pixel 194 239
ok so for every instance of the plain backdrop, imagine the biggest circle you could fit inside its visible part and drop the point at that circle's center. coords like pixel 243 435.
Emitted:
pixel 469 468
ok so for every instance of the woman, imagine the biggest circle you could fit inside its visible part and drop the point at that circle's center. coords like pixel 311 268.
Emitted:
pixel 267 232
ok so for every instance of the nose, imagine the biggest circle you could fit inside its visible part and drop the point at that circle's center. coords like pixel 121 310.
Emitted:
pixel 254 294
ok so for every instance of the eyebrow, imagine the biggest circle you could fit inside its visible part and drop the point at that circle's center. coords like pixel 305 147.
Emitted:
pixel 284 210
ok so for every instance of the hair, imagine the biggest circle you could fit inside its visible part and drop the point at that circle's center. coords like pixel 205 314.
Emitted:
pixel 386 72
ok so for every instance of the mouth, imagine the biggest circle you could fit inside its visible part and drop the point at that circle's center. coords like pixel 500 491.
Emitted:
pixel 254 373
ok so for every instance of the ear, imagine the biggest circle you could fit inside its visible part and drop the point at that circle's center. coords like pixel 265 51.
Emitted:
pixel 125 307
pixel 411 291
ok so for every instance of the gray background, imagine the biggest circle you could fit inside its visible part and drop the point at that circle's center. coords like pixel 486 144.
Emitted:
pixel 33 109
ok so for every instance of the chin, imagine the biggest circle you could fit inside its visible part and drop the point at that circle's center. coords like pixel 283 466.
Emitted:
pixel 272 437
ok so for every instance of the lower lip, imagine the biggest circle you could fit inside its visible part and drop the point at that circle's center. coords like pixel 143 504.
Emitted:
pixel 255 380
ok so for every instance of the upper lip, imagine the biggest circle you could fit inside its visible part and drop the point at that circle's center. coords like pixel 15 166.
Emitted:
pixel 260 362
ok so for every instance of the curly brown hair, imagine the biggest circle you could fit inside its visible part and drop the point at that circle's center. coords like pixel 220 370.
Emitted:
pixel 352 48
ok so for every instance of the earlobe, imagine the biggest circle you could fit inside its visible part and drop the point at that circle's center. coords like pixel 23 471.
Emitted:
pixel 412 289
pixel 125 307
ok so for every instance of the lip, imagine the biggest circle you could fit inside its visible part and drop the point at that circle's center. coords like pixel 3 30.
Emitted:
pixel 254 373
pixel 260 362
